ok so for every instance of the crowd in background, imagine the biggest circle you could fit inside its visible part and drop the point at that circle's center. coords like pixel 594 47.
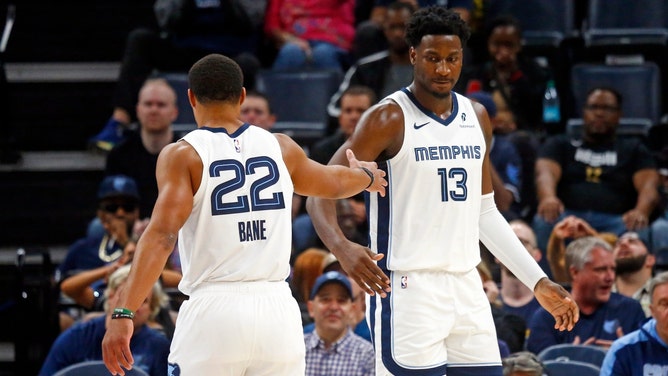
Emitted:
pixel 591 208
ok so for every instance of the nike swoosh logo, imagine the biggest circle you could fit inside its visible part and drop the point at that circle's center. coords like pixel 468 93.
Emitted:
pixel 418 126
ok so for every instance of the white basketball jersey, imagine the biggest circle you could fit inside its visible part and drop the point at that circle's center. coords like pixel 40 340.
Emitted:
pixel 428 219
pixel 240 225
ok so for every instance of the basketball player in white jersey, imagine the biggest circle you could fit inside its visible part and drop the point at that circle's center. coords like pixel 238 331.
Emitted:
pixel 434 146
pixel 226 188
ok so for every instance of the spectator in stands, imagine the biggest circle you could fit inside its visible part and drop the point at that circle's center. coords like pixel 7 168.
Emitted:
pixel 604 315
pixel 355 100
pixel 369 34
pixel 527 144
pixel 515 297
pixel 610 182
pixel 523 363
pixel 83 341
pixel 358 312
pixel 566 230
pixel 137 155
pixel 506 162
pixel 332 348
pixel 386 71
pixel 643 351
pixel 633 268
pixel 87 288
pixel 519 80
pixel 311 34
pixel 232 28
pixel 256 110
pixel 118 211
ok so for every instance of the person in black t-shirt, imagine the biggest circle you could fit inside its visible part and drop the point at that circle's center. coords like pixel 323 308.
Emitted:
pixel 610 182
pixel 138 154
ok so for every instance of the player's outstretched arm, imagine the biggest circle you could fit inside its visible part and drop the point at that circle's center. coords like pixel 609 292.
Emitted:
pixel 311 178
pixel 556 300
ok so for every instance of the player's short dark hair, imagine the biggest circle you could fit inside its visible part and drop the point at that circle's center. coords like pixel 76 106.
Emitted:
pixel 435 20
pixel 216 78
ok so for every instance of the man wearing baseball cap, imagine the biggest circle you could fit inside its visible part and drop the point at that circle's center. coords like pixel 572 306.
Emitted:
pixel 333 346
pixel 117 211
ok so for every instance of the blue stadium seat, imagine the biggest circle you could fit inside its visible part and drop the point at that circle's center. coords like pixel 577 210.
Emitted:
pixel 544 22
pixel 627 22
pixel 568 353
pixel 94 368
pixel 299 99
pixel 570 368
pixel 640 86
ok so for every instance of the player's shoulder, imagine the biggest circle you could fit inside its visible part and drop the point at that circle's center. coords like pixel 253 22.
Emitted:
pixel 386 109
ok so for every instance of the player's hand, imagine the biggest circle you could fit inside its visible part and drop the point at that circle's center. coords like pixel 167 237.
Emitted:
pixel 116 345
pixel 379 182
pixel 360 264
pixel 556 300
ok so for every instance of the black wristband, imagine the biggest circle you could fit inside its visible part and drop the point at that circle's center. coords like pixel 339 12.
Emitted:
pixel 368 172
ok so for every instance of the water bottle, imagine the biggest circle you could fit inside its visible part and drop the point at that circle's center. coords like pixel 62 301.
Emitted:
pixel 551 113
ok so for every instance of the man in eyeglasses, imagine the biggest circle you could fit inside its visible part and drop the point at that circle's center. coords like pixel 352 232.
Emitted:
pixel 118 211
pixel 611 182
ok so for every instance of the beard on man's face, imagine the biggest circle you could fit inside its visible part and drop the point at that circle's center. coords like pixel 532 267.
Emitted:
pixel 629 265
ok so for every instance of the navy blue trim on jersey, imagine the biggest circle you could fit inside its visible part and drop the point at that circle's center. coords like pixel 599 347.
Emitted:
pixel 475 371
pixel 223 130
pixel 431 114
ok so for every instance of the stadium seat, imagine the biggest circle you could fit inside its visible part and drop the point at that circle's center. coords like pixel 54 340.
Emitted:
pixel 94 368
pixel 627 22
pixel 639 127
pixel 639 85
pixel 544 22
pixel 568 352
pixel 299 99
pixel 570 368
